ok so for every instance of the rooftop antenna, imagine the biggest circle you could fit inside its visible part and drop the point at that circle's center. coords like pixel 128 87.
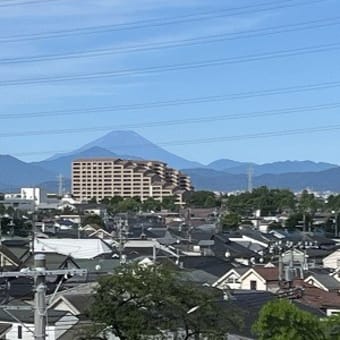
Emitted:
pixel 250 178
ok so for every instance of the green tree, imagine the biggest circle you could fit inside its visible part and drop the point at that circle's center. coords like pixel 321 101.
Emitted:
pixel 333 203
pixel 269 201
pixel 129 204
pixel 308 205
pixel 282 320
pixel 93 219
pixel 138 301
pixel 230 221
pixel 332 327
pixel 106 200
pixel 169 203
pixel 201 199
pixel 151 204
pixel 2 209
pixel 293 220
pixel 115 200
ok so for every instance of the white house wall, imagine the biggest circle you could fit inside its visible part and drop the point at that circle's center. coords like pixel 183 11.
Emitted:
pixel 331 311
pixel 260 283
pixel 332 260
pixel 315 283
pixel 231 281
pixel 62 306
pixel 12 334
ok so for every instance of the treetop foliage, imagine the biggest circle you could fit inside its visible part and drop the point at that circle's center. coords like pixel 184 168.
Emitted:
pixel 282 320
pixel 138 301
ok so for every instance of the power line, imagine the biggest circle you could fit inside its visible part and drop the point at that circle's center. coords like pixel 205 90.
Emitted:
pixel 268 6
pixel 176 67
pixel 175 102
pixel 278 112
pixel 269 134
pixel 278 133
pixel 315 24
pixel 25 3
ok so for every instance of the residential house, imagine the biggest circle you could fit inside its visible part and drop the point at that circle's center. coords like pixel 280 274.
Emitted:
pixel 226 249
pixel 139 249
pixel 327 302
pixel 264 278
pixel 324 281
pixel 210 264
pixel 231 279
pixel 58 323
pixel 8 260
pixel 81 248
pixel 332 260
pixel 251 302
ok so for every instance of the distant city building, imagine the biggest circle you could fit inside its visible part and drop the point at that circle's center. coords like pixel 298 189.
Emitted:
pixel 110 177
pixel 30 199
pixel 33 194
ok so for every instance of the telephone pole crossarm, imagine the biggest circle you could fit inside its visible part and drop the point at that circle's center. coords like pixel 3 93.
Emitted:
pixel 39 274
pixel 34 273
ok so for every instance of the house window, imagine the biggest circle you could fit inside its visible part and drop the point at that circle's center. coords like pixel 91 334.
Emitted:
pixel 19 332
pixel 253 285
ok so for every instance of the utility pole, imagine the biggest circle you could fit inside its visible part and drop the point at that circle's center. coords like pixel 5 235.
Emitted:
pixel 280 267
pixel 39 274
pixel 40 310
pixel 34 218
pixel 1 229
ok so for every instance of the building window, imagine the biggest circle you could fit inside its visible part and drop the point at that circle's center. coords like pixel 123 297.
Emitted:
pixel 253 285
pixel 19 332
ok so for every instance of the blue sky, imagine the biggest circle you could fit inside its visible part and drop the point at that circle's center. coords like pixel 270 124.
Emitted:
pixel 252 17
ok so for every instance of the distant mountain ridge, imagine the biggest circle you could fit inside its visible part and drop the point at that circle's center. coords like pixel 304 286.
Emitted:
pixel 280 167
pixel 62 164
pixel 16 173
pixel 132 144
pixel 221 175
pixel 207 179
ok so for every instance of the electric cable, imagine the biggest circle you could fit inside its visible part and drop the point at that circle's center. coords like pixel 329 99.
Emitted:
pixel 176 101
pixel 216 38
pixel 209 140
pixel 197 120
pixel 24 3
pixel 175 67
pixel 221 13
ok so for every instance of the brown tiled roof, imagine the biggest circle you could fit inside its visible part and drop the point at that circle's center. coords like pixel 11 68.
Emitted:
pixel 268 273
pixel 317 297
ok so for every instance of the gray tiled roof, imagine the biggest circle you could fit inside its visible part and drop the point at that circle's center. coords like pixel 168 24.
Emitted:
pixel 80 301
pixel 210 264
pixel 27 316
pixel 9 254
pixel 4 327
pixel 198 276
pixel 328 281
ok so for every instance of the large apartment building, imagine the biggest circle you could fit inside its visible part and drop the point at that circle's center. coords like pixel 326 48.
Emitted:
pixel 110 177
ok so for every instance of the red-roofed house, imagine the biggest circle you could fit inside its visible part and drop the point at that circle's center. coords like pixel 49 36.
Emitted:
pixel 328 302
pixel 261 278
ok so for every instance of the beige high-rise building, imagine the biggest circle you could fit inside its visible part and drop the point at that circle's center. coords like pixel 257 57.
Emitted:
pixel 110 177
